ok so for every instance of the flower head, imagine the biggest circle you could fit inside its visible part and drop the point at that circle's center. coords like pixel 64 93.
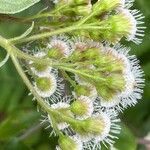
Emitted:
pixel 132 77
pixel 49 86
pixel 39 69
pixel 69 142
pixel 59 46
pixel 85 89
pixel 106 127
pixel 135 22
pixel 82 107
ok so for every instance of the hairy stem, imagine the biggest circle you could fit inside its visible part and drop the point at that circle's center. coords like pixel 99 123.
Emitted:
pixel 11 50
pixel 58 31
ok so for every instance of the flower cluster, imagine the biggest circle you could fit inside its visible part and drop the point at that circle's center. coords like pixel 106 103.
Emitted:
pixel 103 78
pixel 115 19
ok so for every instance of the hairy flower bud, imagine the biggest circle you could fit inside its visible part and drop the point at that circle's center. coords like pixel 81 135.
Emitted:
pixel 39 69
pixel 106 5
pixel 82 107
pixel 72 143
pixel 125 24
pixel 83 9
pixel 46 86
pixel 59 46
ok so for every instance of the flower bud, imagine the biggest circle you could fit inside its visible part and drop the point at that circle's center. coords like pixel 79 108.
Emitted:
pixel 43 83
pixel 46 86
pixel 125 24
pixel 81 2
pixel 106 5
pixel 82 90
pixel 96 126
pixel 72 143
pixel 85 89
pixel 39 69
pixel 54 53
pixel 64 108
pixel 82 107
pixel 83 10
pixel 61 44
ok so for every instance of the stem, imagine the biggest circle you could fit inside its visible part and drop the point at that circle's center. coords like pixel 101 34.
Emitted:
pixel 86 18
pixel 9 48
pixel 80 73
pixel 68 78
pixel 47 14
pixel 59 31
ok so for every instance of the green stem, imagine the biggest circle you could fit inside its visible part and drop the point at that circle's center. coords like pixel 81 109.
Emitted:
pixel 86 18
pixel 79 72
pixel 59 31
pixel 65 75
pixel 47 14
pixel 10 49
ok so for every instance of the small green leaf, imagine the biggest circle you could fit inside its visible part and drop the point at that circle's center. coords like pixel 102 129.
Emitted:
pixel 4 61
pixel 126 140
pixel 15 6
pixel 26 33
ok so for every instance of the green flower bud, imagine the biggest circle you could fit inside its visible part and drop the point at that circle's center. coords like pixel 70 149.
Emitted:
pixel 79 107
pixel 83 10
pixel 120 26
pixel 64 111
pixel 113 84
pixel 43 83
pixel 81 2
pixel 54 53
pixel 93 126
pixel 39 67
pixel 82 107
pixel 106 5
pixel 69 143
pixel 82 90
pixel 92 53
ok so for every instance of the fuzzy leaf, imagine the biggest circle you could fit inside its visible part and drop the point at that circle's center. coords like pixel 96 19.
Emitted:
pixel 15 6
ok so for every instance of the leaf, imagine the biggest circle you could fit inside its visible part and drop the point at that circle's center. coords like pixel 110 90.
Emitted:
pixel 125 141
pixel 15 124
pixel 15 144
pixel 26 33
pixel 4 60
pixel 15 6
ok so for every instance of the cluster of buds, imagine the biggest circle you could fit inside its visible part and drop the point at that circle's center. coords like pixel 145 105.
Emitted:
pixel 114 18
pixel 103 78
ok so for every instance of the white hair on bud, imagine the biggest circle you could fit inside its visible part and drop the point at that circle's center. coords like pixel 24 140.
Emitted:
pixel 89 104
pixel 62 43
pixel 134 82
pixel 135 18
pixel 78 142
pixel 108 135
pixel 39 73
pixel 56 89
pixel 92 95
pixel 128 3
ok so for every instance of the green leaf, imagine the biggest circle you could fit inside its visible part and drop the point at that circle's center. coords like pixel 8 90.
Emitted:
pixel 17 123
pixel 26 33
pixel 15 6
pixel 125 141
pixel 15 144
pixel 4 60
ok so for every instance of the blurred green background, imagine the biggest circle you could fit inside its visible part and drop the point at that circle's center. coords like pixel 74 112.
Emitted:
pixel 19 119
